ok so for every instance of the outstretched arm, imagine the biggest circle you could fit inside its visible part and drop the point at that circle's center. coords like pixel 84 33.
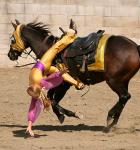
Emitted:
pixel 33 113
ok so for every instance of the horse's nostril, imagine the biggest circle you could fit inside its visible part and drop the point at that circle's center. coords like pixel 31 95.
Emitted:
pixel 8 54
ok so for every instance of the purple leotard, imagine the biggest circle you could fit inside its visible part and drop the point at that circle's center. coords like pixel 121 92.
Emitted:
pixel 40 66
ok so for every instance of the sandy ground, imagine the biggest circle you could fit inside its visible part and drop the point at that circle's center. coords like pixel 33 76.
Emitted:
pixel 86 134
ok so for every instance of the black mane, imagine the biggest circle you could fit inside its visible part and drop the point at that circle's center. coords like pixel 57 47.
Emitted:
pixel 40 27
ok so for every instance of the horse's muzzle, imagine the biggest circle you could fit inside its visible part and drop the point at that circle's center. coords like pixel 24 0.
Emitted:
pixel 13 55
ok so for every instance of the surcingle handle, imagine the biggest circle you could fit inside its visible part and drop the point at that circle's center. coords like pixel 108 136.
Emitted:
pixel 83 69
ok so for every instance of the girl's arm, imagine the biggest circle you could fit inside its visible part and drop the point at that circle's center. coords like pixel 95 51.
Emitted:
pixel 34 110
pixel 33 113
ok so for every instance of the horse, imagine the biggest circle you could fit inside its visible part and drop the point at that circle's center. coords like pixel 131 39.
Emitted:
pixel 121 61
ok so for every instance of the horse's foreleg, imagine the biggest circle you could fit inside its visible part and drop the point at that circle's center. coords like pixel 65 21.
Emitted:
pixel 50 95
pixel 60 111
pixel 69 113
pixel 56 110
pixel 122 90
pixel 56 95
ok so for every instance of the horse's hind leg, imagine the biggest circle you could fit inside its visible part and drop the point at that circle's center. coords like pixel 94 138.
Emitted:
pixel 122 90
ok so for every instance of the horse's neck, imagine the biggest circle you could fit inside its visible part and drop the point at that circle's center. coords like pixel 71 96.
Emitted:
pixel 34 41
pixel 44 45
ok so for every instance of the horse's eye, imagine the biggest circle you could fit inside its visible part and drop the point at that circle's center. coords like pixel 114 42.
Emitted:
pixel 13 40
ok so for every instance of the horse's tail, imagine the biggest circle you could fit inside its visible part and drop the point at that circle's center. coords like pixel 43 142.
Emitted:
pixel 138 47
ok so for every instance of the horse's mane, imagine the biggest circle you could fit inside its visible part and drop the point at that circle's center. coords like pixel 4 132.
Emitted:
pixel 40 27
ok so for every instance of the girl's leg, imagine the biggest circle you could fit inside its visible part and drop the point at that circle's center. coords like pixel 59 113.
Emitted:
pixel 49 56
pixel 68 78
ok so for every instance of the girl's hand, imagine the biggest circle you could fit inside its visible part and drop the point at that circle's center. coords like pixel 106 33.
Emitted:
pixel 30 131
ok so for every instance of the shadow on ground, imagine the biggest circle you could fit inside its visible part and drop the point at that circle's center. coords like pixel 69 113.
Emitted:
pixel 61 128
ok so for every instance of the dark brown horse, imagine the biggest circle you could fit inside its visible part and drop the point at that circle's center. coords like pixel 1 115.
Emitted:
pixel 122 61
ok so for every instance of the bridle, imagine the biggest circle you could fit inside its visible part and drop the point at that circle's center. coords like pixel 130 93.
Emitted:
pixel 25 57
pixel 18 44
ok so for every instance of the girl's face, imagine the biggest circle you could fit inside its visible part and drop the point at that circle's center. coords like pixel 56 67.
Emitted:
pixel 34 90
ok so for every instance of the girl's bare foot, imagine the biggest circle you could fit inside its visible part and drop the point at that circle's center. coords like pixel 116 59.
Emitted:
pixel 79 86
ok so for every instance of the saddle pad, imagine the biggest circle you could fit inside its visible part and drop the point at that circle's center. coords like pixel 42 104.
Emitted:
pixel 98 65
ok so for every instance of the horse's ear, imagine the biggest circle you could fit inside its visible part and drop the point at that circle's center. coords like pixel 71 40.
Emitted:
pixel 14 25
pixel 17 22
pixel 73 25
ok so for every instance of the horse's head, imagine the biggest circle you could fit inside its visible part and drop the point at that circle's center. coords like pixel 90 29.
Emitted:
pixel 33 35
pixel 17 45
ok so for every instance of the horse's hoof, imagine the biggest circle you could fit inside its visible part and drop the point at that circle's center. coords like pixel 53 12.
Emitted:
pixel 79 115
pixel 106 129
pixel 110 121
pixel 61 119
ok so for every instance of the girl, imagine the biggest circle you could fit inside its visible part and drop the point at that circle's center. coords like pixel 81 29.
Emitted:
pixel 39 99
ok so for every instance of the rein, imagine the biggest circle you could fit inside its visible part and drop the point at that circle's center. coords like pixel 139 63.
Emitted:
pixel 86 91
pixel 18 66
pixel 27 54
